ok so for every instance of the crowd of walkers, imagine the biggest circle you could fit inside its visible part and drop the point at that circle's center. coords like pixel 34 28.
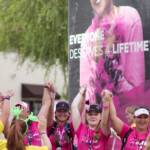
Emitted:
pixel 69 129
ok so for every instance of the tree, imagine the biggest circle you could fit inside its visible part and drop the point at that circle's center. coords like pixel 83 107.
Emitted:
pixel 35 29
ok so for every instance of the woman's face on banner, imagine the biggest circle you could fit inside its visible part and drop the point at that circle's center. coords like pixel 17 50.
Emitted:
pixel 99 6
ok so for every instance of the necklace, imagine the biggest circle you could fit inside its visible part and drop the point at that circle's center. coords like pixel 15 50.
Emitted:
pixel 61 135
pixel 140 142
pixel 89 139
pixel 29 136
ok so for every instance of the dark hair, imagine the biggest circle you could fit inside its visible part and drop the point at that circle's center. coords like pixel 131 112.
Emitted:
pixel 56 137
pixel 139 107
pixel 15 140
pixel 29 122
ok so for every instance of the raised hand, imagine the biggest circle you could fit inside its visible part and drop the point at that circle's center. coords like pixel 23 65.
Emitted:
pixel 83 90
pixel 50 86
pixel 107 96
pixel 9 93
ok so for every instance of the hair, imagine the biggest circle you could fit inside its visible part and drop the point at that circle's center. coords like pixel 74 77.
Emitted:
pixel 15 140
pixel 96 134
pixel 29 122
pixel 130 109
pixel 56 137
pixel 148 143
pixel 138 107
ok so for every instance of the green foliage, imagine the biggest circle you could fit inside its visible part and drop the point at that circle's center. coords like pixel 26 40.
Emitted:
pixel 36 29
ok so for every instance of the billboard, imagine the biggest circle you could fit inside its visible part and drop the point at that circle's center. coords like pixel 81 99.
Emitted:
pixel 109 48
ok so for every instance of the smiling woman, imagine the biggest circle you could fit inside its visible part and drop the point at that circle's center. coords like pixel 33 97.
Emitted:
pixel 95 134
pixel 60 132
pixel 106 63
pixel 141 119
pixel 132 138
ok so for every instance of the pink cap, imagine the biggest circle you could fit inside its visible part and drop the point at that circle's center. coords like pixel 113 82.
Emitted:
pixel 23 104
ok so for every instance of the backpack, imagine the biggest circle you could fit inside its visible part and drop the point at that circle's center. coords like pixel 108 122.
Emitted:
pixel 126 138
pixel 67 127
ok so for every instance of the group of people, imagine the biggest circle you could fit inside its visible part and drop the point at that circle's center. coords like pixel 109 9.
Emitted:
pixel 70 129
pixel 57 130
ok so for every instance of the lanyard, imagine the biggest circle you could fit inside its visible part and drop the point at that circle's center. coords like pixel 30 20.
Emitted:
pixel 29 136
pixel 138 140
pixel 89 139
pixel 61 136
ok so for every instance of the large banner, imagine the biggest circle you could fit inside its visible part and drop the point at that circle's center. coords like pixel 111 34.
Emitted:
pixel 109 48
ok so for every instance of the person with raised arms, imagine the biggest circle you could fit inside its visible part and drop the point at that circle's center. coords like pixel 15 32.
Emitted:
pixel 95 134
pixel 132 138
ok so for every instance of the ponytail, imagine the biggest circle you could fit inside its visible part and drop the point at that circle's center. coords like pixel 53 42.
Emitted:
pixel 96 134
pixel 56 137
pixel 15 140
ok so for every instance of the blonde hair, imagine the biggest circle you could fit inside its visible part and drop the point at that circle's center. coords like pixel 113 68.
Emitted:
pixel 130 109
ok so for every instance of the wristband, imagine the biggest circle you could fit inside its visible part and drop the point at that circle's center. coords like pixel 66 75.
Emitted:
pixel 6 97
pixel 106 107
pixel 43 133
pixel 46 87
pixel 52 94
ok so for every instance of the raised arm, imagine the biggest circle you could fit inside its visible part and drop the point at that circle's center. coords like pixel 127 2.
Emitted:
pixel 46 100
pixel 42 128
pixel 105 113
pixel 76 116
pixel 5 106
pixel 50 116
pixel 82 103
pixel 117 124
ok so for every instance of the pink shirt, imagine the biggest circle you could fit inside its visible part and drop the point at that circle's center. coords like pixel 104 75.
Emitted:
pixel 128 25
pixel 64 143
pixel 85 139
pixel 135 141
pixel 33 136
